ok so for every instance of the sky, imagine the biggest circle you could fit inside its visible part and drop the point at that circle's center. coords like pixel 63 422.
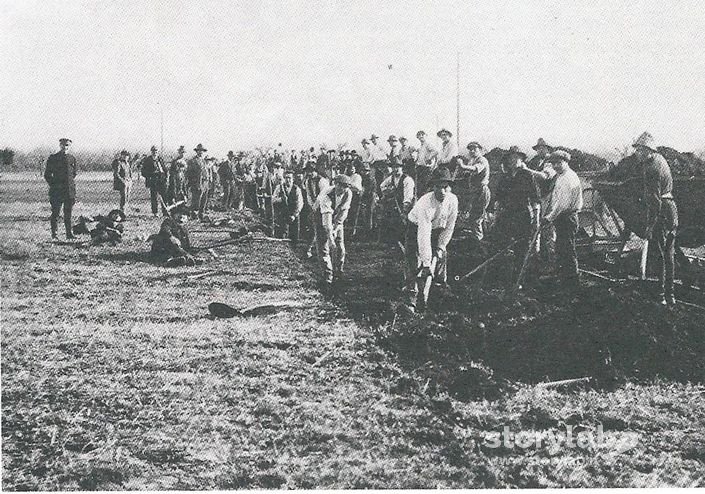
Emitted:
pixel 238 74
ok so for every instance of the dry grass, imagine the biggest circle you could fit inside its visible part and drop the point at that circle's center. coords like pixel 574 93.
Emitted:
pixel 113 377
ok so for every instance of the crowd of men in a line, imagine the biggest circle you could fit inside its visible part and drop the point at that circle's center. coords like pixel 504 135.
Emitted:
pixel 398 194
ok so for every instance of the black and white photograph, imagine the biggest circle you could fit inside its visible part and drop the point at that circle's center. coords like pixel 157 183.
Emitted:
pixel 335 245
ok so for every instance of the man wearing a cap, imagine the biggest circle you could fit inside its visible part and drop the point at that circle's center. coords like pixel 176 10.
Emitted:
pixel 122 178
pixel 661 211
pixel 566 199
pixel 60 174
pixel 155 178
pixel 197 176
pixel 331 210
pixel 478 177
pixel 431 225
pixel 177 190
pixel 449 150
pixel 425 163
pixel 288 203
pixel 518 207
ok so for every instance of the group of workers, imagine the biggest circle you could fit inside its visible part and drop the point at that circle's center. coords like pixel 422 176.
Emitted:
pixel 400 195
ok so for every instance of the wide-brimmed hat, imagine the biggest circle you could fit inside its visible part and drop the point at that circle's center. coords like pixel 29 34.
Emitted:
pixel 541 143
pixel 440 176
pixel 444 131
pixel 342 179
pixel 392 138
pixel 230 153
pixel 373 137
pixel 124 152
pixel 200 148
pixel 559 155
pixel 65 140
pixel 402 139
pixel 420 133
pixel 515 150
pixel 646 140
pixel 474 144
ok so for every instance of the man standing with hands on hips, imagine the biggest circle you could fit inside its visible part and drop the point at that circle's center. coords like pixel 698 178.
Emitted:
pixel 60 174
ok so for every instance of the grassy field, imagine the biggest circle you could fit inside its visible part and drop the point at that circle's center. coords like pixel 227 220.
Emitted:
pixel 115 377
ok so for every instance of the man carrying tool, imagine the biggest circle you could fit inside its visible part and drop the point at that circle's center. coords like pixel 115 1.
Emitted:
pixel 331 210
pixel 518 210
pixel 288 203
pixel 566 199
pixel 547 236
pixel 313 185
pixel 661 210
pixel 431 226
pixel 478 177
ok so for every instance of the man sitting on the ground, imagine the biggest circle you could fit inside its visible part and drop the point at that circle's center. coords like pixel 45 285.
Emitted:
pixel 172 245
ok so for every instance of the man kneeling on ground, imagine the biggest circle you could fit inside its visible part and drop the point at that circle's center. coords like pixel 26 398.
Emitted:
pixel 431 225
pixel 172 245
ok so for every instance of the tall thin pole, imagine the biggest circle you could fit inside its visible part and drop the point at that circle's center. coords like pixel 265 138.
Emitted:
pixel 457 102
pixel 161 117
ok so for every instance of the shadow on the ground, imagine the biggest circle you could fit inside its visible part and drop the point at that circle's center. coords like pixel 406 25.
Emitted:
pixel 474 340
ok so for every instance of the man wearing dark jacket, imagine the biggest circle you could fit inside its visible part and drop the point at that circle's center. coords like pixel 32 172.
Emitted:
pixel 155 178
pixel 288 203
pixel 60 174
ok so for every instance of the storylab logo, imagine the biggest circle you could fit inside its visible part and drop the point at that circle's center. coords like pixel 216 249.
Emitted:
pixel 586 439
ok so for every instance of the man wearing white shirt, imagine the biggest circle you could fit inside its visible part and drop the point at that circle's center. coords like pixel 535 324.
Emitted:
pixel 379 159
pixel 449 150
pixel 425 163
pixel 431 225
pixel 562 211
pixel 330 211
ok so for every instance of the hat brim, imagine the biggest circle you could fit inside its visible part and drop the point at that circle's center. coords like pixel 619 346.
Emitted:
pixel 637 145
pixel 200 149
pixel 537 146
pixel 440 133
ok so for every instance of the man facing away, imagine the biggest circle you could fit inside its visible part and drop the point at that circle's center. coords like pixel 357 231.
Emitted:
pixel 60 174
pixel 122 178
pixel 331 210
pixel 431 225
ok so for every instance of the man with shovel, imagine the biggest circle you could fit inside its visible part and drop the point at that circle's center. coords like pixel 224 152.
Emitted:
pixel 431 226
